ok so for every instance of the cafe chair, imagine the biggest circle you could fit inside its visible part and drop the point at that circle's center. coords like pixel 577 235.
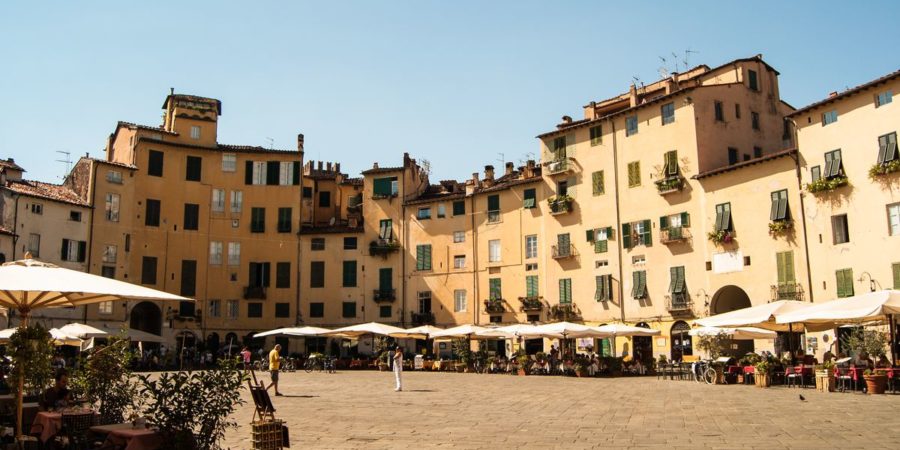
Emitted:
pixel 75 427
pixel 846 377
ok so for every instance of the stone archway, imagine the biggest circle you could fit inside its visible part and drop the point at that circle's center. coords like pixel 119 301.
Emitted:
pixel 146 316
pixel 731 298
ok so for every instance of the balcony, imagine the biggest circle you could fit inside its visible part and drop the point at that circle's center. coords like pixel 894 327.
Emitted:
pixel 674 234
pixel 384 295
pixel 563 252
pixel 679 304
pixel 422 318
pixel 383 247
pixel 565 312
pixel 560 205
pixel 670 185
pixel 494 306
pixel 531 304
pixel 787 291
pixel 254 293
pixel 560 166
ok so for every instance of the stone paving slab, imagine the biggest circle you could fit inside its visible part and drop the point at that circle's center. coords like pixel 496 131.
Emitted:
pixel 359 409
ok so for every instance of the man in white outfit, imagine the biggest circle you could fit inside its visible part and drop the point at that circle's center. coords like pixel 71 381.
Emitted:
pixel 398 368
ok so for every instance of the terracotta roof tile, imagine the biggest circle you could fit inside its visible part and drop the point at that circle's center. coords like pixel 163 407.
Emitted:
pixel 6 231
pixel 743 164
pixel 846 93
pixel 376 170
pixel 10 164
pixel 38 189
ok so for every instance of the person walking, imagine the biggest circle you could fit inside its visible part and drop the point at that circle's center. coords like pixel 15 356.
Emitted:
pixel 274 365
pixel 246 355
pixel 398 368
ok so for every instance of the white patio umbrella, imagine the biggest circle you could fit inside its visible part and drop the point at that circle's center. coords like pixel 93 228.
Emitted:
pixel 294 332
pixel 59 338
pixel 82 331
pixel 27 285
pixel 132 334
pixel 759 316
pixel 568 330
pixel 738 333
pixel 466 331
pixel 422 332
pixel 364 329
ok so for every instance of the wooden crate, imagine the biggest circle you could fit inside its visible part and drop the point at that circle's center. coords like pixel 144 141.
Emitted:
pixel 267 435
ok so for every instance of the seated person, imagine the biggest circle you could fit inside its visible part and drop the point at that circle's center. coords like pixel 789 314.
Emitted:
pixel 59 395
pixel 883 362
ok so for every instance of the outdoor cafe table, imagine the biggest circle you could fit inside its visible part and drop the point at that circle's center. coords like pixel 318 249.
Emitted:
pixel 124 434
pixel 49 423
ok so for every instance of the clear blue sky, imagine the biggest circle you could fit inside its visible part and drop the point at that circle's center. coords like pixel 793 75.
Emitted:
pixel 454 82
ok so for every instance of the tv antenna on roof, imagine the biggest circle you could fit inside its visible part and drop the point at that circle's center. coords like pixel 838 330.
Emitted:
pixel 502 156
pixel 663 70
pixel 67 161
pixel 687 56
pixel 271 143
pixel 675 57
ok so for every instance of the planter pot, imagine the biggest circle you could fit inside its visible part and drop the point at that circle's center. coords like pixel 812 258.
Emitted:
pixel 875 384
pixel 762 380
pixel 825 381
pixel 522 372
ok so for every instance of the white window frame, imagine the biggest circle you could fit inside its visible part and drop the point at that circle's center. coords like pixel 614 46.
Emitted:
pixel 459 261
pixel 110 254
pixel 34 244
pixel 229 162
pixel 218 200
pixel 114 176
pixel 195 132
pixel 531 246
pixel 72 254
pixel 441 211
pixel 215 253
pixel 105 307
pixel 237 201
pixel 459 236
pixel 233 309
pixel 259 172
pixel 286 173
pixel 459 301
pixel 894 219
pixel 37 208
pixel 215 308
pixel 112 206
pixel 494 252
pixel 234 254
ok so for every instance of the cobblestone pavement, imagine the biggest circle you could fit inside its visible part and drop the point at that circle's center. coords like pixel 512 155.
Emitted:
pixel 447 410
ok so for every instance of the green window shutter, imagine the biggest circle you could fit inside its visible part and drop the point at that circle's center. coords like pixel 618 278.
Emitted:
pixel 673 279
pixel 64 254
pixel 679 280
pixel 829 164
pixel 671 163
pixel 590 235
pixel 493 203
pixel 385 279
pixel 601 246
pixel 836 167
pixel 248 172
pixel 839 279
pixel 531 286
pixel 495 290
pixel 349 278
pixel 565 291
pixel 726 217
pixel 597 182
pixel 428 257
pixel 609 232
pixel 635 284
pixel 685 219
pixel 459 208
pixel 596 135
pixel 296 180
pixel 529 198
pixel 896 268
pixel 647 235
pixel 420 257
pixel 563 241
pixel 719 216
pixel 789 267
pixel 643 284
pixel 663 222
pixel 780 267
pixel 598 295
pixel 815 172
pixel 773 211
pixel 626 235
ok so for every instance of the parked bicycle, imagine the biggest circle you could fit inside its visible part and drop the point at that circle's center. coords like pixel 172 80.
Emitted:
pixel 704 372
pixel 320 364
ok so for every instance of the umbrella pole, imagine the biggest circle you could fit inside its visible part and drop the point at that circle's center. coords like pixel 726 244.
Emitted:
pixel 893 342
pixel 791 341
pixel 20 393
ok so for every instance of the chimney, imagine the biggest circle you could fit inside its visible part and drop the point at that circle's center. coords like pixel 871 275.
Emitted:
pixel 529 168
pixel 833 94
pixel 337 167
pixel 300 142
pixel 375 165
pixel 475 178
pixel 328 167
pixel 509 168
pixel 319 163
pixel 488 173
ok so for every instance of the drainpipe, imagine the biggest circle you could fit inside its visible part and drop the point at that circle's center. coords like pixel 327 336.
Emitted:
pixel 796 158
pixel 92 186
pixel 15 226
pixel 619 247
pixel 475 312
pixel 405 248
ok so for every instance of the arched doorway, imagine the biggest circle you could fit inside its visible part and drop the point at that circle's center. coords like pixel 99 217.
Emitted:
pixel 682 344
pixel 146 316
pixel 727 299
pixel 212 343
pixel 642 346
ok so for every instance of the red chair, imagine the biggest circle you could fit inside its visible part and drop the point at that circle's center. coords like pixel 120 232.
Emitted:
pixel 845 377
pixel 797 374
pixel 749 374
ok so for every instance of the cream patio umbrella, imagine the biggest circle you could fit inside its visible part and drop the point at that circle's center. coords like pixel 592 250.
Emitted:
pixel 364 329
pixel 738 333
pixel 82 331
pixel 466 331
pixel 132 334
pixel 759 316
pixel 294 332
pixel 59 338
pixel 422 332
pixel 27 285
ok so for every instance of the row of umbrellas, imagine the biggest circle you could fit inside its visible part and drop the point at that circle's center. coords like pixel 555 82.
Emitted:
pixel 75 334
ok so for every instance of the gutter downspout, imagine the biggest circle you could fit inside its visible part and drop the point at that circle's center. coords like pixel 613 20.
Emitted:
pixel 90 247
pixel 475 312
pixel 298 312
pixel 796 158
pixel 619 247
pixel 403 278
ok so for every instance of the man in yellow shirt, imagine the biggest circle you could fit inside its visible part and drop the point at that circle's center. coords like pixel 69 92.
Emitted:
pixel 274 365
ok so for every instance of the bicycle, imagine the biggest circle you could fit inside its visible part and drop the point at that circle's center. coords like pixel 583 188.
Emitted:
pixel 704 372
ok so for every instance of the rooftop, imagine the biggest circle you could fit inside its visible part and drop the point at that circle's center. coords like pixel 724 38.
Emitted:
pixel 39 189
pixel 743 164
pixel 10 164
pixel 847 93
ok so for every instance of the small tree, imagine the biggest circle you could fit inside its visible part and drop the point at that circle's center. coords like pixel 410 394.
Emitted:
pixel 31 349
pixel 104 379
pixel 715 345
pixel 872 342
pixel 462 351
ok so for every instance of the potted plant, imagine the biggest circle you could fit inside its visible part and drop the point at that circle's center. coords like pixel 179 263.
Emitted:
pixel 581 365
pixel 523 361
pixel 826 184
pixel 761 373
pixel 780 227
pixel 825 377
pixel 721 236
pixel 383 358
pixel 875 382
pixel 870 343
pixel 878 170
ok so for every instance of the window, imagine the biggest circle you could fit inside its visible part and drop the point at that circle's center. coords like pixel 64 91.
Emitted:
pixel 195 132
pixel 597 183
pixel 732 155
pixel 254 310
pixel 639 284
pixel 829 117
pixel 495 289
pixel 839 230
pixel 282 310
pixel 234 253
pixel 256 172
pixel 148 270
pixel 348 310
pixel 386 280
pixel 815 172
pixel 723 217
pixel 155 163
pixel 307 192
pixel 215 253
pixel 631 125
pixel 188 278
pixel 667 112
pixel 737 110
pixel 232 307
pixel 784 264
pixel 754 120
pixel 833 164
pixel 349 243
pixel 894 219
pixel 191 216
pixel 424 213
pixel 218 200
pixel 286 173
pixel 105 307
pixel 604 288
pixel 386 230
pixel 317 244
pixel 757 152
pixel 494 250
pixel 259 274
pixel 636 233
pixel 753 80
pixel 34 245
pixel 324 199
pixel 883 98
pixel 634 174
pixel 676 280
pixel 895 267
pixel 229 162
pixel 424 301
pixel 384 187
pixel 493 208
pixel 600 237
pixel 529 198
pixel 562 187
pixel 565 291
pixel 670 163
pixel 114 177
pixel 531 286
pixel 531 266
pixel 37 208
pixel 258 220
pixel 283 275
pixel 441 211
pixel 193 168
pixel 423 257
pixel 110 254
pixel 459 208
pixel 531 246
pixel 75 216
pixel 459 262
pixel 151 218
pixel 887 148
pixel 317 310
pixel 559 147
pixel 459 300
pixel 349 278
pixel 384 311
pixel 112 207
pixel 317 274
pixel 284 220
pixel 720 113
pixel 779 209
pixel 596 135
pixel 563 245
pixel 237 201
pixel 73 251
pixel 108 272
pixel 844 283
pixel 459 236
